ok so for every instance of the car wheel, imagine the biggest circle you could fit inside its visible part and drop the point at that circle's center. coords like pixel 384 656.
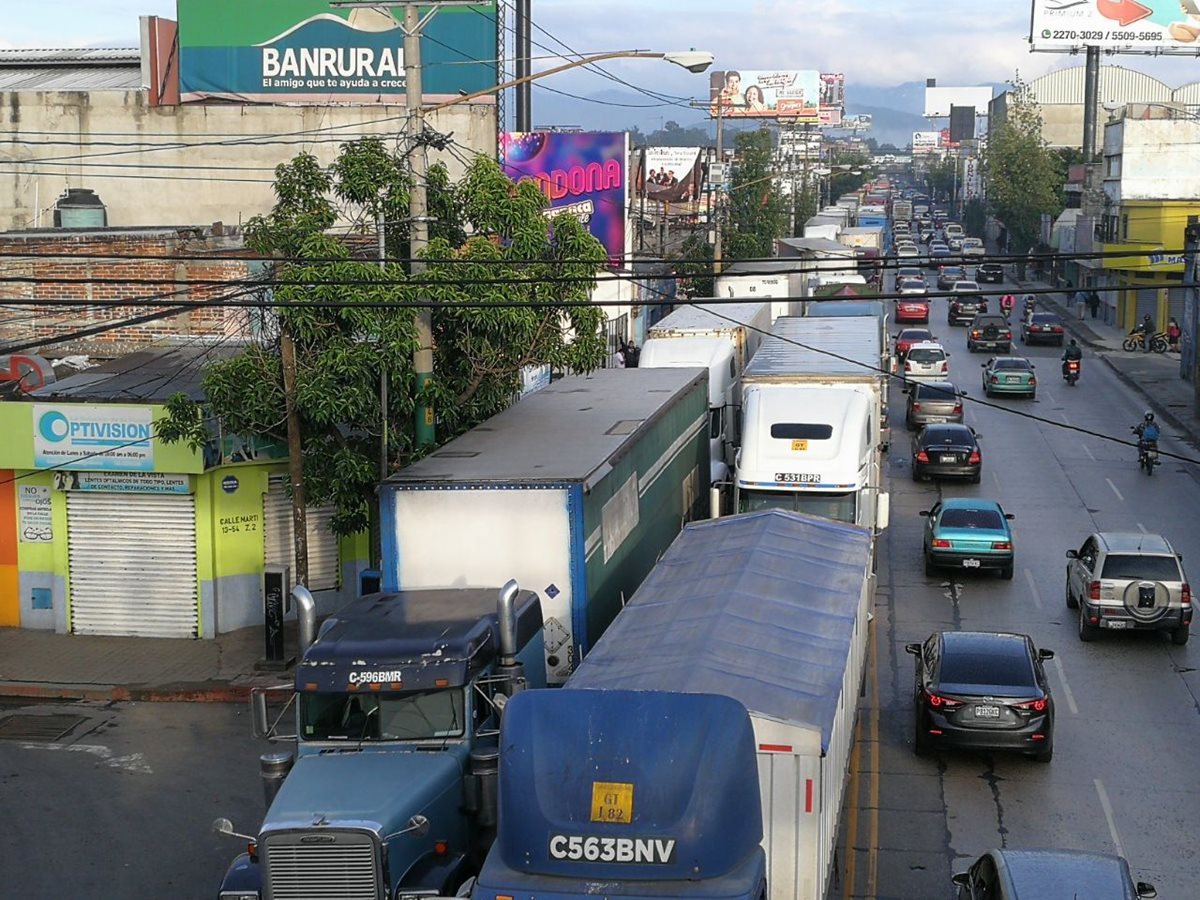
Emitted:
pixel 976 478
pixel 1033 395
pixel 930 568
pixel 1058 343
pixel 1072 603
pixel 1087 632
pixel 920 737
pixel 1007 573
pixel 1045 754
pixel 1179 636
pixel 916 476
pixel 1007 348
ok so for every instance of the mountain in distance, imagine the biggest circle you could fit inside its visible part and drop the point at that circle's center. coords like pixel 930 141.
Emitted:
pixel 896 111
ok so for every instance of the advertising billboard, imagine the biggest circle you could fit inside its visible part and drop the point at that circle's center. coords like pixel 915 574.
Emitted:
pixel 777 95
pixel 830 115
pixel 1144 25
pixel 939 100
pixel 833 89
pixel 670 174
pixel 299 51
pixel 926 141
pixel 583 173
pixel 860 122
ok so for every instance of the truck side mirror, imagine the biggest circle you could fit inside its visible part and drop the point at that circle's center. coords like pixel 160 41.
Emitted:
pixel 914 649
pixel 883 511
pixel 1072 554
pixel 1045 654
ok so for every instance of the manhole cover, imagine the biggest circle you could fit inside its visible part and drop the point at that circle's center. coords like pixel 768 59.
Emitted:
pixel 37 728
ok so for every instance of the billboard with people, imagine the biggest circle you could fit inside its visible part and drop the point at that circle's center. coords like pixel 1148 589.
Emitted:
pixel 583 173
pixel 776 94
pixel 1145 26
pixel 670 174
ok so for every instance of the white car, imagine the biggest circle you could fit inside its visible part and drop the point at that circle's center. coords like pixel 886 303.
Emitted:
pixel 927 362
pixel 972 247
pixel 911 286
pixel 907 251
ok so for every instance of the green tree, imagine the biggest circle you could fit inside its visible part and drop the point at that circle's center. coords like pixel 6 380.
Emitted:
pixel 758 213
pixel 496 299
pixel 1024 177
pixel 805 205
pixel 694 266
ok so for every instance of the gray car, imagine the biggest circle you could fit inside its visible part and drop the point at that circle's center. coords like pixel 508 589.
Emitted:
pixel 1125 581
pixel 1050 875
pixel 933 403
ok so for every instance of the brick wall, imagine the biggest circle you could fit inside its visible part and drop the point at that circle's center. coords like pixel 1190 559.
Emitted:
pixel 164 259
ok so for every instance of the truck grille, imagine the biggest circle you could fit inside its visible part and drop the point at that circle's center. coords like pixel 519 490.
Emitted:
pixel 321 865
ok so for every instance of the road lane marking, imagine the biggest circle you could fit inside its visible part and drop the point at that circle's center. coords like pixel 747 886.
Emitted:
pixel 1063 416
pixel 1108 814
pixel 996 478
pixel 132 762
pixel 1088 451
pixel 1115 491
pixel 1141 527
pixel 1062 676
pixel 1037 598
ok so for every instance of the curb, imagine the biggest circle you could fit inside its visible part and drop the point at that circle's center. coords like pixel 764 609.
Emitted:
pixel 204 692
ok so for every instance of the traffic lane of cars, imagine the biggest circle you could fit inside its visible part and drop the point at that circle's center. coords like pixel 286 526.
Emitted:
pixel 1042 475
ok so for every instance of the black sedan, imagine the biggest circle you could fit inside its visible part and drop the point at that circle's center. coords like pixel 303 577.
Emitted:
pixel 989 273
pixel 1040 327
pixel 982 691
pixel 946 451
pixel 950 276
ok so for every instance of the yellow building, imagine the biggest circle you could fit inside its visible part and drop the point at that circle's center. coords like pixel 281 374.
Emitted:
pixel 1148 279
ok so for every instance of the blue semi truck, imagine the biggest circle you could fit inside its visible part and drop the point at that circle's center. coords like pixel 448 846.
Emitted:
pixel 632 794
pixel 392 788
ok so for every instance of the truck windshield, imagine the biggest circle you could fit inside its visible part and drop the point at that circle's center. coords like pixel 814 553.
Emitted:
pixel 840 507
pixel 416 715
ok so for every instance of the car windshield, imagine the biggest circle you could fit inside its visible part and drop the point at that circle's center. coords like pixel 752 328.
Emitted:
pixel 972 518
pixel 384 716
pixel 926 355
pixel 953 272
pixel 974 665
pixel 948 435
pixel 1148 568
pixel 840 507
pixel 1011 364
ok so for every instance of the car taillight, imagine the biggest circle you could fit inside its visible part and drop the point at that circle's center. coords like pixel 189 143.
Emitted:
pixel 907 366
pixel 916 407
pixel 975 334
pixel 1038 705
pixel 974 459
pixel 958 409
pixel 995 380
pixel 941 543
pixel 1185 594
pixel 1001 545
pixel 937 701
pixel 983 306
pixel 945 366
pixel 1032 381
pixel 922 456
pixel 1058 329
pixel 1094 590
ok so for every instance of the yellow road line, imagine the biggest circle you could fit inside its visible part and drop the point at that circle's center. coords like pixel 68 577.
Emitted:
pixel 851 863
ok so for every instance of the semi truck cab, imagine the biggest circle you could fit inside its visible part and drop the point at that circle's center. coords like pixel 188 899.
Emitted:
pixel 393 782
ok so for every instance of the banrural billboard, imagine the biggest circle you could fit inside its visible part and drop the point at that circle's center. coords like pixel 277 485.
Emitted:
pixel 307 51
pixel 778 95
pixel 582 173
pixel 1143 25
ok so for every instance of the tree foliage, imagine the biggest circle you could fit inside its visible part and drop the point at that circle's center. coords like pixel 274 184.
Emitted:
pixel 1024 177
pixel 758 212
pixel 694 266
pixel 487 319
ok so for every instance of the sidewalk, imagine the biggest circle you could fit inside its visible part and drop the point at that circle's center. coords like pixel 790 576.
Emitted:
pixel 39 665
pixel 1154 375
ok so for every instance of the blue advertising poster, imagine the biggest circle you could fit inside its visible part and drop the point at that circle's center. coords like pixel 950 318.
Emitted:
pixel 583 172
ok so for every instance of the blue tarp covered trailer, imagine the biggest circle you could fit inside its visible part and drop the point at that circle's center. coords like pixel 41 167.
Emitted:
pixel 769 608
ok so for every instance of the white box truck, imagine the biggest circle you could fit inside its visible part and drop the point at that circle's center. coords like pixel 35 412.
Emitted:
pixel 721 338
pixel 781 280
pixel 797 671
pixel 814 421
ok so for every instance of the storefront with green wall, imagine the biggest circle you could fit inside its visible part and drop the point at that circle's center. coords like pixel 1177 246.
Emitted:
pixel 106 529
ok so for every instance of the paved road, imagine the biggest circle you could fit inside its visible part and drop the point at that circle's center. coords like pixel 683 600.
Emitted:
pixel 1128 707
pixel 121 805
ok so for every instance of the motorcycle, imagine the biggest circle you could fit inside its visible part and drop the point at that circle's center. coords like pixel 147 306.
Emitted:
pixel 1136 338
pixel 1147 453
pixel 1071 371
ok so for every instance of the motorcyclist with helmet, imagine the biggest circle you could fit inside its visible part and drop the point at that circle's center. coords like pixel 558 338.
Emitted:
pixel 1071 353
pixel 1148 432
pixel 1007 302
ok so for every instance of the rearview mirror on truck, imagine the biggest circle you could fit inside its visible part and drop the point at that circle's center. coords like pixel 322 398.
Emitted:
pixel 914 649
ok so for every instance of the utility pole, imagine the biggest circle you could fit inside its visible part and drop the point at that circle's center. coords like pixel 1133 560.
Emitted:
pixel 287 353
pixel 1091 97
pixel 1190 357
pixel 381 235
pixel 717 255
pixel 523 44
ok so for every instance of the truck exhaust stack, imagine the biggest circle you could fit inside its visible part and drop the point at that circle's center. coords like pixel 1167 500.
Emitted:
pixel 306 612
pixel 507 667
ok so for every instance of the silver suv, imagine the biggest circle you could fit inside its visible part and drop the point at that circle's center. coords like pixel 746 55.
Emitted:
pixel 1128 580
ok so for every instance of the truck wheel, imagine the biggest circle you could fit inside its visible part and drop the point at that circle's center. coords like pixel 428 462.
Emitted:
pixel 1179 636
pixel 1086 632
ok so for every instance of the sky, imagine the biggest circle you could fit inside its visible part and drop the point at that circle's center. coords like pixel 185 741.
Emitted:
pixel 874 42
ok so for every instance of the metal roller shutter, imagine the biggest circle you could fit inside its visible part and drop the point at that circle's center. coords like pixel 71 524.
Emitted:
pixel 132 563
pixel 324 565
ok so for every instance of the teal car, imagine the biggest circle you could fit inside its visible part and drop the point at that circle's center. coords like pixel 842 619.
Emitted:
pixel 968 533
pixel 1009 375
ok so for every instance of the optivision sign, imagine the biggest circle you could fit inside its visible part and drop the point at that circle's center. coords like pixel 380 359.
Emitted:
pixel 116 438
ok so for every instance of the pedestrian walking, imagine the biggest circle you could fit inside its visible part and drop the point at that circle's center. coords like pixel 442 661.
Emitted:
pixel 1173 332
pixel 1093 303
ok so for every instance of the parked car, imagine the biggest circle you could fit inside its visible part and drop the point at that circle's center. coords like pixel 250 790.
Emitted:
pixel 965 304
pixel 933 402
pixel 950 276
pixel 989 331
pixel 926 361
pixel 1009 375
pixel 1050 875
pixel 968 533
pixel 989 273
pixel 1042 327
pixel 982 690
pixel 906 337
pixel 946 451
pixel 939 253
pixel 1122 581
pixel 972 247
